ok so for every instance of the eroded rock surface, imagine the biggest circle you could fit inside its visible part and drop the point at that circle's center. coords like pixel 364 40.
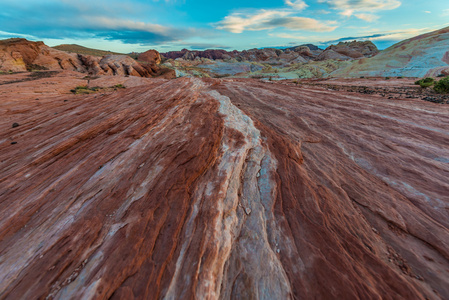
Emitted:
pixel 20 55
pixel 223 189
pixel 421 56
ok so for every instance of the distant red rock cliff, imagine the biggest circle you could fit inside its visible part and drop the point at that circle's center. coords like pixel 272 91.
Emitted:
pixel 304 53
pixel 18 55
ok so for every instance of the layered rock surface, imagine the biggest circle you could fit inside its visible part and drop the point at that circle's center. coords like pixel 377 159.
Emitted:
pixel 420 56
pixel 223 189
pixel 19 55
pixel 345 51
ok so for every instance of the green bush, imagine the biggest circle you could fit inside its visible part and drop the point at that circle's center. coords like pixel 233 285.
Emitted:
pixel 119 86
pixel 85 90
pixel 426 82
pixel 442 86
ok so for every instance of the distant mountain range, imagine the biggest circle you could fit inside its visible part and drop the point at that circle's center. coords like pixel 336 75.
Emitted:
pixel 423 55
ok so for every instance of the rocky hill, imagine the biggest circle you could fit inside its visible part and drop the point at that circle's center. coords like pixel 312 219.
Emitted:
pixel 424 55
pixel 304 53
pixel 18 55
pixel 74 48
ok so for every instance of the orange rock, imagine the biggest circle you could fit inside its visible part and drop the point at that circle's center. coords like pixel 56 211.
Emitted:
pixel 150 56
pixel 22 55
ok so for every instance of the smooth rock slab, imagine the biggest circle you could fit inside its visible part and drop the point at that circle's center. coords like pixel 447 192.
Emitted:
pixel 223 189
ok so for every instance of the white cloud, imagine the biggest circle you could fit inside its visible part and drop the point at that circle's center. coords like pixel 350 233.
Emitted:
pixel 270 19
pixel 446 12
pixel 349 7
pixel 289 36
pixel 367 17
pixel 296 4
pixel 399 35
pixel 427 12
pixel 238 22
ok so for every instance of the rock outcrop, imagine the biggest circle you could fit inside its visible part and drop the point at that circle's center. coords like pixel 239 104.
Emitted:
pixel 150 56
pixel 18 55
pixel 349 51
pixel 421 56
pixel 216 189
pixel 305 53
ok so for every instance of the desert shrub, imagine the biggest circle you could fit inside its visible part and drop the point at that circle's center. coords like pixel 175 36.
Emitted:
pixel 387 78
pixel 91 77
pixel 442 86
pixel 119 86
pixel 426 82
pixel 34 67
pixel 85 90
pixel 222 75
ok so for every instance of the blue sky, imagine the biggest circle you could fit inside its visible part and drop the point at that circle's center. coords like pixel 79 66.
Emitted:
pixel 165 25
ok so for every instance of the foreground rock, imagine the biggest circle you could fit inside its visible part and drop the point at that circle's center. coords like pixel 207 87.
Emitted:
pixel 20 55
pixel 223 189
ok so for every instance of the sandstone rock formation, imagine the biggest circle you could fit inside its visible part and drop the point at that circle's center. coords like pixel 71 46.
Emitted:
pixel 332 54
pixel 342 51
pixel 18 55
pixel 150 56
pixel 420 56
pixel 216 189
pixel 349 51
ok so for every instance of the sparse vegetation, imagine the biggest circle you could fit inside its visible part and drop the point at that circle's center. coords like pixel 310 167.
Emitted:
pixel 442 86
pixel 42 74
pixel 426 82
pixel 119 86
pixel 84 90
pixel 34 67
pixel 73 48
pixel 90 77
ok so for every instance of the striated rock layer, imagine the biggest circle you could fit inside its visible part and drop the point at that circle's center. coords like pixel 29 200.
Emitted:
pixel 223 189
pixel 20 55
pixel 302 54
pixel 421 56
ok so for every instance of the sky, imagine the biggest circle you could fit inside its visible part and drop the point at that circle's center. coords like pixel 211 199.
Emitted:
pixel 167 25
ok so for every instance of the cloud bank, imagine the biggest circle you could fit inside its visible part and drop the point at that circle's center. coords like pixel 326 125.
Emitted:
pixel 360 7
pixel 111 21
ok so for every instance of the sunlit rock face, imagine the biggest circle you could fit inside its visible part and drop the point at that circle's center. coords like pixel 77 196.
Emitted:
pixel 20 55
pixel 223 189
pixel 302 54
pixel 423 55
